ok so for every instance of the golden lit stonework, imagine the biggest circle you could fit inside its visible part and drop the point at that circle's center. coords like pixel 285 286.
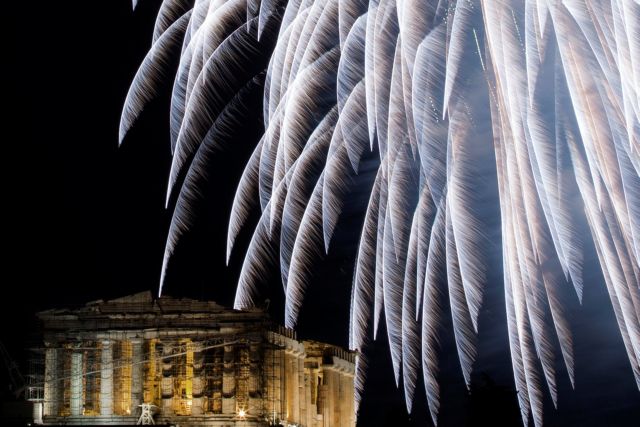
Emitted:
pixel 181 361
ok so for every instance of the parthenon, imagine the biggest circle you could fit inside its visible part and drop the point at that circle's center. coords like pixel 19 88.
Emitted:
pixel 190 362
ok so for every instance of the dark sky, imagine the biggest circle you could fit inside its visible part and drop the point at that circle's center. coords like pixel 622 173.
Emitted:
pixel 86 220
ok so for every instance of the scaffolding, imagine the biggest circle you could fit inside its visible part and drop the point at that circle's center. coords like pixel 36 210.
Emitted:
pixel 91 360
pixel 152 391
pixel 182 374
pixel 122 367
pixel 242 373
pixel 35 376
pixel 212 403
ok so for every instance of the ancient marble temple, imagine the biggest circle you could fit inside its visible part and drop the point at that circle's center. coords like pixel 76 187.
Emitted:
pixel 190 363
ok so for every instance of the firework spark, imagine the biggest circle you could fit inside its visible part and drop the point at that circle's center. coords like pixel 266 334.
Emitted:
pixel 551 89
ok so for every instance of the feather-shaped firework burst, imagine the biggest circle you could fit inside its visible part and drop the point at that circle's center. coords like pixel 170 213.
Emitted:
pixel 551 89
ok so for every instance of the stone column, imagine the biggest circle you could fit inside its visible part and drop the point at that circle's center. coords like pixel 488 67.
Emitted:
pixel 330 402
pixel 76 384
pixel 228 381
pixel 275 368
pixel 302 401
pixel 106 379
pixel 323 400
pixel 342 396
pixel 37 413
pixel 270 383
pixel 281 372
pixel 167 380
pixel 293 386
pixel 311 386
pixel 335 391
pixel 52 383
pixel 255 404
pixel 288 387
pixel 197 381
pixel 136 374
pixel 350 396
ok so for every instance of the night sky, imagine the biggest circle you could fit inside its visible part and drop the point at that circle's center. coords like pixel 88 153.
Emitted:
pixel 85 220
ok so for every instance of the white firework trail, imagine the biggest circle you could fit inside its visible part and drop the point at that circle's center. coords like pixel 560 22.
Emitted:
pixel 558 85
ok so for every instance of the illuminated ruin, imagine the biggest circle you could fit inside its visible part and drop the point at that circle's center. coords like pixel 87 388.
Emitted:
pixel 190 363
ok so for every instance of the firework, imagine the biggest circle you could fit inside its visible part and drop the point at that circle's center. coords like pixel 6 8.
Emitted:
pixel 549 89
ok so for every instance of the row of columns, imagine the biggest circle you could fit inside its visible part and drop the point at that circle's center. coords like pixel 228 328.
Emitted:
pixel 229 391
pixel 291 390
pixel 54 384
pixel 286 395
pixel 295 386
pixel 317 395
pixel 337 408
